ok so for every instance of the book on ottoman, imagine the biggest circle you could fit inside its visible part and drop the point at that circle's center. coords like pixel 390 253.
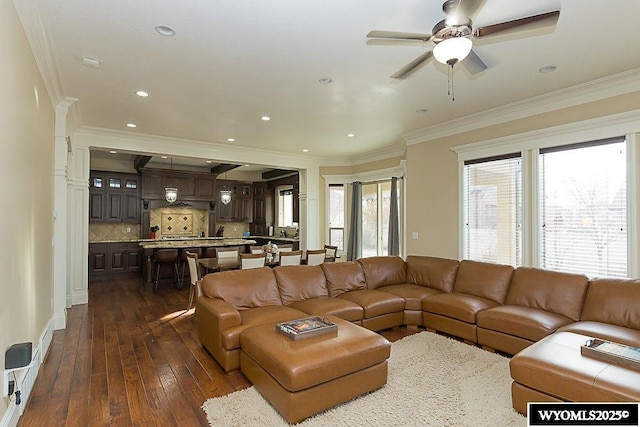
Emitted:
pixel 612 352
pixel 307 327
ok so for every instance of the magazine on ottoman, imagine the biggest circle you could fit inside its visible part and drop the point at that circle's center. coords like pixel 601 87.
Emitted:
pixel 612 352
pixel 307 327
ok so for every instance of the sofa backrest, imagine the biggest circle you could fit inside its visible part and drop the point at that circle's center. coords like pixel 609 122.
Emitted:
pixel 560 293
pixel 342 277
pixel 383 271
pixel 613 301
pixel 243 289
pixel 432 272
pixel 484 280
pixel 300 282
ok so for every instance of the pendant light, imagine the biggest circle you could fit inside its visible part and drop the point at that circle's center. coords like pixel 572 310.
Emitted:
pixel 225 193
pixel 171 193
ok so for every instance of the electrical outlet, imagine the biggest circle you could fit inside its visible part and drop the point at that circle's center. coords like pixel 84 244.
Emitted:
pixel 414 235
pixel 128 229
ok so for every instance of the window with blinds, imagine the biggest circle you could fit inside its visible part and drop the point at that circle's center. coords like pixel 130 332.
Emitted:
pixel 583 208
pixel 492 209
pixel 336 216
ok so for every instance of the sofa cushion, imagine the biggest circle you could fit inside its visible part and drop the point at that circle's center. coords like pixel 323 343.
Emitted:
pixel 412 294
pixel 560 293
pixel 484 280
pixel 342 277
pixel 243 289
pixel 457 306
pixel 342 308
pixel 230 337
pixel 604 331
pixel 300 282
pixel 383 270
pixel 523 322
pixel 437 273
pixel 614 301
pixel 374 302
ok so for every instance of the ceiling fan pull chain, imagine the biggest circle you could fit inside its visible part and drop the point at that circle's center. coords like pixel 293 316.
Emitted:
pixel 450 83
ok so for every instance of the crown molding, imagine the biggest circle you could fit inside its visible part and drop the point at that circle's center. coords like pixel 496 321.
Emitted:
pixel 38 37
pixel 586 130
pixel 93 137
pixel 595 90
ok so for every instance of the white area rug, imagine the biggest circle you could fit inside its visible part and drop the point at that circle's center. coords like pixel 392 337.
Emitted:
pixel 432 381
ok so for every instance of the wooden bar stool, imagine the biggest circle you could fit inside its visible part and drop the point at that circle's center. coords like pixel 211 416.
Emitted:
pixel 163 257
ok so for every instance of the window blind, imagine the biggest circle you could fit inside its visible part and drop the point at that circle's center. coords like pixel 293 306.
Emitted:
pixel 583 208
pixel 492 209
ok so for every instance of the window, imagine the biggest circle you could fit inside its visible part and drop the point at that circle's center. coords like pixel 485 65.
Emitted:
pixel 336 216
pixel 583 208
pixel 285 206
pixel 376 199
pixel 492 210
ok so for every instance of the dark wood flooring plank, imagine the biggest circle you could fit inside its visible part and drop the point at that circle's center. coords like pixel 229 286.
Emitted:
pixel 131 357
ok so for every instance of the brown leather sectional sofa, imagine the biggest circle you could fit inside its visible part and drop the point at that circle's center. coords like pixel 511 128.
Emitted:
pixel 493 305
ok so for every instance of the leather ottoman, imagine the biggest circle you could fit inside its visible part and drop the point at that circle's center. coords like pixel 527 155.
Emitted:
pixel 302 378
pixel 554 370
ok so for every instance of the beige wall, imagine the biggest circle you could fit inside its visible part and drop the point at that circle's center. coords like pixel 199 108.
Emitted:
pixel 26 174
pixel 432 173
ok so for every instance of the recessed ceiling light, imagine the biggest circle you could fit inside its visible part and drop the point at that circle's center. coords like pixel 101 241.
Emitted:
pixel 165 30
pixel 132 125
pixel 265 118
pixel 113 152
pixel 351 135
pixel 209 161
pixel 247 165
pixel 164 157
pixel 91 62
pixel 548 69
pixel 305 150
pixel 142 93
pixel 231 140
pixel 421 110
pixel 326 80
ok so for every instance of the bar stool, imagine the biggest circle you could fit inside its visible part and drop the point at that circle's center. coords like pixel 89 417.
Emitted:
pixel 166 256
pixel 182 263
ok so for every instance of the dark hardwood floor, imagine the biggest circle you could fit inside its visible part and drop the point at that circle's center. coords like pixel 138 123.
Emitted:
pixel 131 357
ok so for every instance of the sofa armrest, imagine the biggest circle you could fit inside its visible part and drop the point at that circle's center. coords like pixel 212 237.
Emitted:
pixel 213 316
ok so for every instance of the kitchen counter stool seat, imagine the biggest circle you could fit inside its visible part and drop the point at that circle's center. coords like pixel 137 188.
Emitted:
pixel 164 257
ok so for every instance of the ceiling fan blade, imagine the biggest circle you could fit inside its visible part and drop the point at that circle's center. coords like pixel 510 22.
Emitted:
pixel 473 63
pixel 411 66
pixel 521 24
pixel 399 42
pixel 458 12
pixel 398 35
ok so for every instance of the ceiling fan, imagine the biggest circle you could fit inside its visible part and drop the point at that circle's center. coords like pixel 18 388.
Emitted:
pixel 453 36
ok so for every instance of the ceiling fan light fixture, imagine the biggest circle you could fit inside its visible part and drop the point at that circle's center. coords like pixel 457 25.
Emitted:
pixel 452 50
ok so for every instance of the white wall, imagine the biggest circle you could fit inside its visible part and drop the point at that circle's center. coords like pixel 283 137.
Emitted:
pixel 26 180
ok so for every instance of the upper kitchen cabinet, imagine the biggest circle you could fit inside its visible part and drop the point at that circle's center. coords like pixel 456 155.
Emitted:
pixel 240 209
pixel 192 186
pixel 114 197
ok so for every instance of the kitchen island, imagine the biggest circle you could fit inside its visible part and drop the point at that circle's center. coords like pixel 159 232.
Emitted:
pixel 184 244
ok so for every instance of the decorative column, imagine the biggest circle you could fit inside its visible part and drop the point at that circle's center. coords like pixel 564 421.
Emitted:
pixel 309 208
pixel 78 232
pixel 60 266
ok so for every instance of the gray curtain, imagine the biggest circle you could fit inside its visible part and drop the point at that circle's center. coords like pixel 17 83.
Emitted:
pixel 394 223
pixel 354 245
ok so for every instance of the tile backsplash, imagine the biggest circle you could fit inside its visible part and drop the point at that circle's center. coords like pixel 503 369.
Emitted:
pixel 179 221
pixel 101 231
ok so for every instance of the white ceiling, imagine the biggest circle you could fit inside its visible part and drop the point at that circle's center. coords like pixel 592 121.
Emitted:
pixel 231 62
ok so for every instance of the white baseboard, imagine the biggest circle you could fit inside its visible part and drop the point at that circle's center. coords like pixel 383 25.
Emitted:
pixel 28 376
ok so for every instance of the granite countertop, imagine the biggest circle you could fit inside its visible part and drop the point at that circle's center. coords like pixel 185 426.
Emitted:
pixel 194 243
pixel 284 239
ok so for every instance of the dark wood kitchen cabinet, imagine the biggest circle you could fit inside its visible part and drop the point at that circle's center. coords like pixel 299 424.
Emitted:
pixel 114 197
pixel 240 209
pixel 192 186
pixel 114 258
